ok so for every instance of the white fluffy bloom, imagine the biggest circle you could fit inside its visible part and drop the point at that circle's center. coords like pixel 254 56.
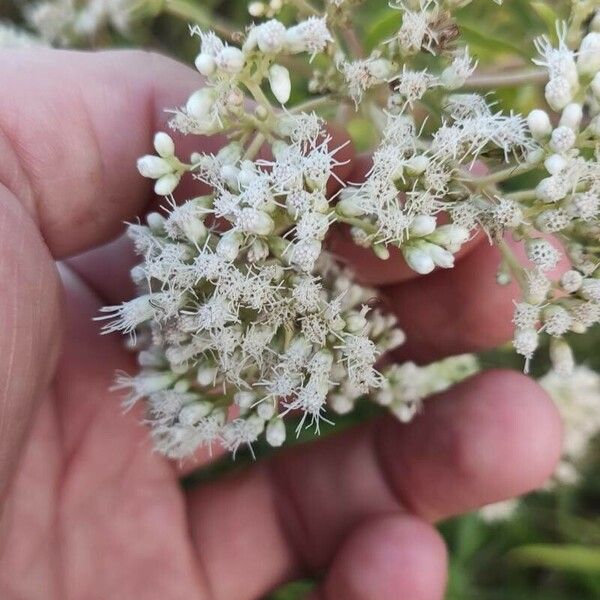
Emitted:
pixel 310 36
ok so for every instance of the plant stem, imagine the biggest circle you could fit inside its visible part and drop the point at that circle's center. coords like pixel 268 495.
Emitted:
pixel 522 195
pixel 356 222
pixel 312 104
pixel 254 148
pixel 502 175
pixel 513 264
pixel 258 94
pixel 305 7
pixel 198 15
pixel 514 78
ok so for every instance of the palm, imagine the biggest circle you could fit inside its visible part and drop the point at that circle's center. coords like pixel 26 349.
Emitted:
pixel 92 512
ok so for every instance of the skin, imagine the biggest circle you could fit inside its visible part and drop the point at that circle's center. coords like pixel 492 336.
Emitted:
pixel 88 510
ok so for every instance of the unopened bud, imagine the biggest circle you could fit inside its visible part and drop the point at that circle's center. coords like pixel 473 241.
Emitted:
pixel 279 80
pixel 164 145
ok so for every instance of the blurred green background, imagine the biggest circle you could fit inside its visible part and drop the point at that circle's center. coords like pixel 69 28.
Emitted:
pixel 550 547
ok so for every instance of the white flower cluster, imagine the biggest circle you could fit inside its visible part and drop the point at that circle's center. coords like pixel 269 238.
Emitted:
pixel 564 204
pixel 65 22
pixel 242 307
pixel 577 397
pixel 243 317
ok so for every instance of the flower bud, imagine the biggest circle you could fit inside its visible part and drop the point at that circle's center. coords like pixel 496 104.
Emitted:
pixel 258 251
pixel 571 280
pixel 244 399
pixel 588 57
pixel 205 63
pixel 381 251
pixel 279 80
pixel 525 342
pixel 265 410
pixel 230 60
pixel 380 68
pixel 539 124
pixel 230 175
pixel 571 116
pixel 590 290
pixel 550 190
pixel 153 167
pixel 164 145
pixel 200 103
pixel 350 207
pixel 228 246
pixel 562 139
pixel 194 413
pixel 404 411
pixel 441 257
pixel 276 433
pixel 194 230
pixel 355 322
pixel 422 225
pixel 206 375
pixel 230 154
pixel 558 92
pixel 418 260
pixel 451 236
pixel 166 185
pixel 417 164
pixel 561 356
pixel 595 86
pixel 255 221
pixel 257 9
pixel 342 404
pixel 270 36
pixel 555 163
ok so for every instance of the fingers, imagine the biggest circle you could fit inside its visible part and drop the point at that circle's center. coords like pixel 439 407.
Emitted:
pixel 386 558
pixel 69 151
pixel 472 446
pixel 30 328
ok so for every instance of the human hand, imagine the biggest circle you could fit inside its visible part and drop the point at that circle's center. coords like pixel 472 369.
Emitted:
pixel 89 511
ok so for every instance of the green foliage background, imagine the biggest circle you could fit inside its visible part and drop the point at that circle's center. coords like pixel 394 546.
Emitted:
pixel 550 550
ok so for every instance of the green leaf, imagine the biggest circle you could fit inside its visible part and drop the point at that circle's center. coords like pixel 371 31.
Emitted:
pixel 580 559
pixel 547 14
pixel 477 39
pixel 382 27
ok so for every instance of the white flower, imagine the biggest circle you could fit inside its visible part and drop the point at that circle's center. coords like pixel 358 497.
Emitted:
pixel 562 139
pixel 542 254
pixel 526 342
pixel 458 72
pixel 310 36
pixel 412 85
pixel 588 56
pixel 270 37
pixel 560 61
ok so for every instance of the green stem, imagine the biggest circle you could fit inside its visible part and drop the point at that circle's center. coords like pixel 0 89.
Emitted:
pixel 356 222
pixel 258 94
pixel 521 196
pixel 514 78
pixel 182 9
pixel 502 175
pixel 254 148
pixel 312 104
pixel 513 264
pixel 305 7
